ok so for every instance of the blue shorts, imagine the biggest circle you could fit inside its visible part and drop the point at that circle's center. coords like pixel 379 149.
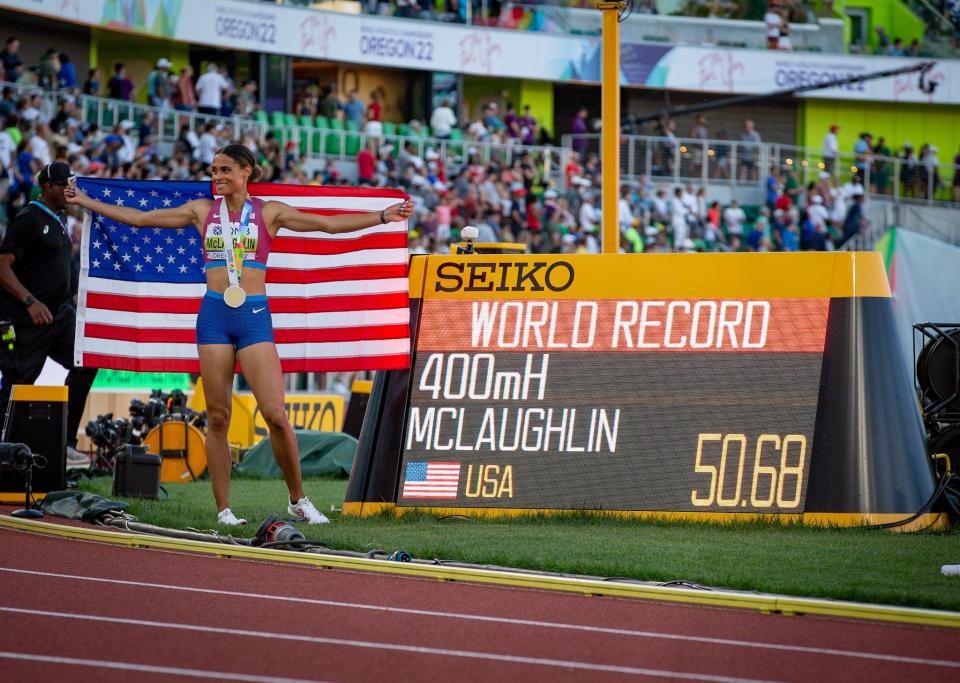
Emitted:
pixel 240 327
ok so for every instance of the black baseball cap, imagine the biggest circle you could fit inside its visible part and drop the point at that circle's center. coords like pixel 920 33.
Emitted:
pixel 57 172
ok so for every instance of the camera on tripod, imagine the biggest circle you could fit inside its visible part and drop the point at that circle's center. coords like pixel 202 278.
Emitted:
pixel 107 433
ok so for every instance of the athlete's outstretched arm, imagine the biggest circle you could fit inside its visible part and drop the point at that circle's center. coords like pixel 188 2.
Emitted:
pixel 178 217
pixel 286 216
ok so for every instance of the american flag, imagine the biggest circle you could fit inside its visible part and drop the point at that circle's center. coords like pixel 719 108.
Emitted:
pixel 431 480
pixel 338 302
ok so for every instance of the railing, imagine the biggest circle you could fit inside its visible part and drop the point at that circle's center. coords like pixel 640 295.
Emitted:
pixel 316 143
pixel 742 164
pixel 682 160
pixel 341 145
pixel 106 113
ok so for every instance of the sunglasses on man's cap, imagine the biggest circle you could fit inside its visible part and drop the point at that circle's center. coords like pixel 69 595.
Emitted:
pixel 57 173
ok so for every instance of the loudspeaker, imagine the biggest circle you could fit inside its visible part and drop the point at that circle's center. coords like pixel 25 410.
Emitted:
pixel 36 416
pixel 137 473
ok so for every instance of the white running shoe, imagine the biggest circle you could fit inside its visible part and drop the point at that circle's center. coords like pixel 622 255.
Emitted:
pixel 306 511
pixel 227 518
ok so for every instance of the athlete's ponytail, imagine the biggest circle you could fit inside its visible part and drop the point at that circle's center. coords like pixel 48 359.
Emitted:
pixel 244 157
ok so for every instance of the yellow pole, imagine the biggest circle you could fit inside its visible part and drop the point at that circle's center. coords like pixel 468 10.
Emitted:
pixel 610 132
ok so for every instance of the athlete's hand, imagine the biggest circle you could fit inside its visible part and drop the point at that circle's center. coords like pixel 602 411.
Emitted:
pixel 39 313
pixel 74 195
pixel 398 212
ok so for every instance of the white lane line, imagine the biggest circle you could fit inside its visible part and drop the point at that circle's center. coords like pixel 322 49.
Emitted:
pixel 507 620
pixel 147 668
pixel 396 647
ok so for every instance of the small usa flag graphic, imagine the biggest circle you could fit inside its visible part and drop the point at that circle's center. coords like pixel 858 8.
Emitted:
pixel 431 480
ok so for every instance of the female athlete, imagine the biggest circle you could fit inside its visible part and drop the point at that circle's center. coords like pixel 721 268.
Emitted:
pixel 234 320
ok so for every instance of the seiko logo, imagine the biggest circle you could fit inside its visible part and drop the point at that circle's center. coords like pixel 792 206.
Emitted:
pixel 504 276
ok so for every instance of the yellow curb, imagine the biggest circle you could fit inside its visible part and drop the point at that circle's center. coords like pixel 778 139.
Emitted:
pixel 713 598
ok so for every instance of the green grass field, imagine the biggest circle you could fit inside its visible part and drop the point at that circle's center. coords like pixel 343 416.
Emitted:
pixel 845 564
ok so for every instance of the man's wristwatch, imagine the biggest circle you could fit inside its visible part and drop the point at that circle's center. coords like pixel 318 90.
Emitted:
pixel 28 302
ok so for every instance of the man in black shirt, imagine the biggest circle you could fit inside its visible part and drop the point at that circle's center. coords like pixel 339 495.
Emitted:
pixel 35 297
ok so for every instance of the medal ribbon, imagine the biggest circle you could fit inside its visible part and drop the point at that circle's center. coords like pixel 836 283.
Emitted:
pixel 233 249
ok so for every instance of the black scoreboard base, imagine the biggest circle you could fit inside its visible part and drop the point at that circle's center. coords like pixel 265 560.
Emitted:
pixel 709 387
pixel 36 416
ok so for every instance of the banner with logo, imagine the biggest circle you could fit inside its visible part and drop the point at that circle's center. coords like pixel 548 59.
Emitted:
pixel 435 46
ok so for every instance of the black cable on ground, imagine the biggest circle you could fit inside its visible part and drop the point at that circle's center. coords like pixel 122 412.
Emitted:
pixel 943 487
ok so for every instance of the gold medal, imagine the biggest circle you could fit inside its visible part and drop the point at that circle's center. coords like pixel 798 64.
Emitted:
pixel 234 296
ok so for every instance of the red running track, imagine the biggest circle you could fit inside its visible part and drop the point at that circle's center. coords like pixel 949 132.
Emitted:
pixel 78 610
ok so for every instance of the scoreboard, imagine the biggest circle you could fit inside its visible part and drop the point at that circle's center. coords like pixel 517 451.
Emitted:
pixel 667 383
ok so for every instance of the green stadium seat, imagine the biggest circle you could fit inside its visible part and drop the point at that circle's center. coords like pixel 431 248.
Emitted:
pixel 276 119
pixel 306 121
pixel 353 139
pixel 322 122
pixel 403 130
pixel 389 128
pixel 290 120
pixel 332 144
pixel 425 132
pixel 260 116
pixel 455 144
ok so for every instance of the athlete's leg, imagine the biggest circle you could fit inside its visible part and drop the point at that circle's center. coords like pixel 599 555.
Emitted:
pixel 216 367
pixel 260 365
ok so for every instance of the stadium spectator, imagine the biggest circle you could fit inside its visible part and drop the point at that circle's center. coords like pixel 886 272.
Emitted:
pixel 880 176
pixel 8 149
pixel 158 84
pixel 528 127
pixel 679 223
pixel 930 169
pixel 211 89
pixel 366 164
pixel 208 143
pixel 896 50
pixel 10 59
pixel 625 217
pixel 909 174
pixel 442 120
pixel 247 99
pixel 374 125
pixel 701 135
pixel 579 130
pixel 330 104
pixel 92 85
pixel 863 153
pixel 183 96
pixel 956 178
pixel 783 42
pixel 39 147
pixel 773 188
pixel 854 222
pixel 67 75
pixel 734 217
pixel 774 22
pixel 750 151
pixel 119 87
pixel 883 39
pixel 49 68
pixel 354 108
pixel 831 149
